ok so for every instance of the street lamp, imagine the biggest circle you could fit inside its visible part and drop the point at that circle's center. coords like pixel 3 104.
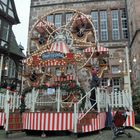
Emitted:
pixel 134 59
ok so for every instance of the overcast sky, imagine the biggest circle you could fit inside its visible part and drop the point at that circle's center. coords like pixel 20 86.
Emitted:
pixel 21 30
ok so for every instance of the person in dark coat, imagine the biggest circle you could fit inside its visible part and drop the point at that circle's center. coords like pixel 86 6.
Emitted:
pixel 95 82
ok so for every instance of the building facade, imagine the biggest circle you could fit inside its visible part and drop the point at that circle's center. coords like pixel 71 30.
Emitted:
pixel 11 54
pixel 110 21
pixel 134 43
pixel 134 26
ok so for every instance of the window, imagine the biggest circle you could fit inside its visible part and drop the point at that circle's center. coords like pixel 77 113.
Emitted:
pixel 50 18
pixel 94 16
pixel 103 26
pixel 7 6
pixel 115 25
pixel 4 1
pixel 116 81
pixel 5 31
pixel 58 20
pixel 115 69
pixel 10 13
pixel 124 24
pixel 6 66
pixel 104 82
pixel 116 84
pixel 68 17
pixel 10 10
pixel 12 69
pixel 3 5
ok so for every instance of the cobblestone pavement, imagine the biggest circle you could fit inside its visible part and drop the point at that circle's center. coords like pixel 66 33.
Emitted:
pixel 103 135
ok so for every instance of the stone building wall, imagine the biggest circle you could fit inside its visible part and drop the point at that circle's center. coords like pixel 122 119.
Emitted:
pixel 42 7
pixel 133 7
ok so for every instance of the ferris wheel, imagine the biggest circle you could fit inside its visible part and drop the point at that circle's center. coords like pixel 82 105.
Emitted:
pixel 75 35
pixel 61 55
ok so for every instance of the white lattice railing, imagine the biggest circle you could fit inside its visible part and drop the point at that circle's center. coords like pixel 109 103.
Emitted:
pixel 2 100
pixel 113 99
pixel 101 99
pixel 14 100
pixel 28 99
pixel 119 99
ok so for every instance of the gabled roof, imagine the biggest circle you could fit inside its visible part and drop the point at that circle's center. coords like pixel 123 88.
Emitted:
pixel 14 48
pixel 12 10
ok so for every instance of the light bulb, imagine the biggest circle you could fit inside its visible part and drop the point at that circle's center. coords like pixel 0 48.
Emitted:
pixel 120 61
pixel 134 60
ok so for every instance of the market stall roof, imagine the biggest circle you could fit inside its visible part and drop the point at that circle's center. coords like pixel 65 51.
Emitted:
pixel 60 46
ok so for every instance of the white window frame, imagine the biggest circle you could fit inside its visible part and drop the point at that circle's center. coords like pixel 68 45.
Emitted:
pixel 115 20
pixel 12 69
pixel 103 22
pixel 50 18
pixel 124 18
pixel 68 17
pixel 115 69
pixel 58 20
pixel 104 82
pixel 95 19
pixel 114 85
pixel 5 31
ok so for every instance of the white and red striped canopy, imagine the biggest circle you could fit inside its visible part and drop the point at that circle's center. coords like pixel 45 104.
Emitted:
pixel 99 49
pixel 60 46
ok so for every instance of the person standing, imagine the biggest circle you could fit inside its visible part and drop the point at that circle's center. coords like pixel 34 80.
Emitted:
pixel 95 82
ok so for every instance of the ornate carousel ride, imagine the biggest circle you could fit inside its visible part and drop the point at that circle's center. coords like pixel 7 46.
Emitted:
pixel 58 75
pixel 58 80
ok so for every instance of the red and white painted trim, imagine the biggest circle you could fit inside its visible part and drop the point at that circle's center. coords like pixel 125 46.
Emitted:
pixel 2 118
pixel 59 121
pixel 48 121
pixel 65 121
